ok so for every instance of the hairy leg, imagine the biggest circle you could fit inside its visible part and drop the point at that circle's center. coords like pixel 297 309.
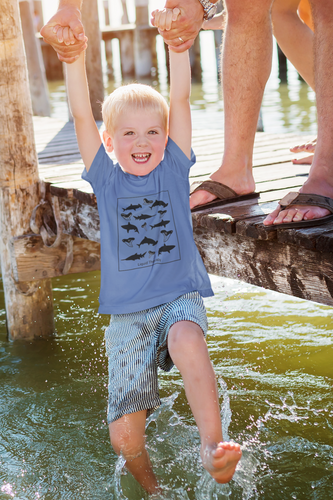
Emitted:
pixel 246 65
pixel 188 350
pixel 320 180
pixel 128 438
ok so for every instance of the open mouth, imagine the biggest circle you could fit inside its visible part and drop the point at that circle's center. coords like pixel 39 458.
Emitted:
pixel 141 157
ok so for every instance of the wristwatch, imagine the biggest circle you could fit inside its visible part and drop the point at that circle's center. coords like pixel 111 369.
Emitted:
pixel 209 9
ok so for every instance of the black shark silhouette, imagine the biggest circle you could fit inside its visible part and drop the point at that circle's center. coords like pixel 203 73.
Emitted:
pixel 147 241
pixel 126 216
pixel 143 217
pixel 162 212
pixel 129 242
pixel 166 234
pixel 133 207
pixel 130 227
pixel 165 248
pixel 144 226
pixel 147 202
pixel 163 223
pixel 159 203
pixel 136 256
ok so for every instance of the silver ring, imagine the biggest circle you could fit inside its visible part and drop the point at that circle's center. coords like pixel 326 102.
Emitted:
pixel 181 39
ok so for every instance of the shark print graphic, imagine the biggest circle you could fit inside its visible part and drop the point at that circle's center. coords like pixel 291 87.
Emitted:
pixel 162 244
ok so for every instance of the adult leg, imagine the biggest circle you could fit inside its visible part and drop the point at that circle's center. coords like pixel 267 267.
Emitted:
pixel 246 65
pixel 128 438
pixel 294 37
pixel 188 351
pixel 320 180
pixel 296 41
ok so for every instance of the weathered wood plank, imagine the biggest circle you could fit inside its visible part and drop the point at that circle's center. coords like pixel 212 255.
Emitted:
pixel 268 264
pixel 32 260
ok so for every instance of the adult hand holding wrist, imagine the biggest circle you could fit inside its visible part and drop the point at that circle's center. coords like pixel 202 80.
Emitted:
pixel 187 25
pixel 66 16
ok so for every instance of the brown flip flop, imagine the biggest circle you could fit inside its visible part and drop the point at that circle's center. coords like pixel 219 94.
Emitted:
pixel 224 194
pixel 304 199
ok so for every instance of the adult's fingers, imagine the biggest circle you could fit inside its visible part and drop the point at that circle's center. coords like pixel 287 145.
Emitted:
pixel 180 48
pixel 77 27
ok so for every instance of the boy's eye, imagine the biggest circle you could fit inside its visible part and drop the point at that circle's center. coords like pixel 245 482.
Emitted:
pixel 129 133
pixel 153 132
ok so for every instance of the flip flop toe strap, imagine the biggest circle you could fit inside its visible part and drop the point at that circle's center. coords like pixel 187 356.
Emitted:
pixel 306 199
pixel 219 190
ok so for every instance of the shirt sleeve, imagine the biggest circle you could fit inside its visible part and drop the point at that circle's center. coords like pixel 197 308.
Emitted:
pixel 177 159
pixel 101 170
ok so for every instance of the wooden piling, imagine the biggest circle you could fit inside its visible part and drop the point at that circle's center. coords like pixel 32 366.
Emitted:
pixel 36 71
pixel 29 306
pixel 108 43
pixel 93 56
pixel 142 44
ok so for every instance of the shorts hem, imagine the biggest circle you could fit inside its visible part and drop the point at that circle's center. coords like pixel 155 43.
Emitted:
pixel 150 407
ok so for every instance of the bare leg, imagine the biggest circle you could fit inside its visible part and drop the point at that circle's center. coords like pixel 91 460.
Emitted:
pixel 296 41
pixel 294 37
pixel 188 350
pixel 128 437
pixel 320 179
pixel 246 65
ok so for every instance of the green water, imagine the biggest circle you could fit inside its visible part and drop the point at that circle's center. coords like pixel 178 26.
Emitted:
pixel 273 359
pixel 272 354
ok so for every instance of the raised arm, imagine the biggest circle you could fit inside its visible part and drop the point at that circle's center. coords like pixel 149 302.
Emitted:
pixel 88 136
pixel 180 124
pixel 180 127
pixel 65 32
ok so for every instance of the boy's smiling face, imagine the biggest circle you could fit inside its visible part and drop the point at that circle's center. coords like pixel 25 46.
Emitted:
pixel 139 140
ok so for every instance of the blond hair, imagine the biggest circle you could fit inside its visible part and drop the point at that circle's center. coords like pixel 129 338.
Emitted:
pixel 137 96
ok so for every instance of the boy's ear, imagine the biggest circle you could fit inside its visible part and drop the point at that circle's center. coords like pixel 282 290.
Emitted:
pixel 108 141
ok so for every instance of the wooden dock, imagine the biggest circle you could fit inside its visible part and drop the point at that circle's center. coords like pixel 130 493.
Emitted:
pixel 231 239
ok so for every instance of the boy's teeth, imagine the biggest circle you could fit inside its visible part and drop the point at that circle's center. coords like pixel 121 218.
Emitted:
pixel 141 157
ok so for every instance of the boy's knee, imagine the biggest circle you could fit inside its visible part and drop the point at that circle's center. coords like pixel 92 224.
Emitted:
pixel 185 337
pixel 126 441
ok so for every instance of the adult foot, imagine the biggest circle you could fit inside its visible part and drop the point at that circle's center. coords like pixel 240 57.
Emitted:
pixel 241 184
pixel 221 461
pixel 297 213
pixel 307 147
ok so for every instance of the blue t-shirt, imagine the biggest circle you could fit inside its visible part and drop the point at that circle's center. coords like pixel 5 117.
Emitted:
pixel 148 254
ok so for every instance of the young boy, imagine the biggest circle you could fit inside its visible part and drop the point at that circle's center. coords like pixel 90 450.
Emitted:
pixel 152 275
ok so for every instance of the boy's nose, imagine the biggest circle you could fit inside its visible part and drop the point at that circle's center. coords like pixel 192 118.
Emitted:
pixel 141 141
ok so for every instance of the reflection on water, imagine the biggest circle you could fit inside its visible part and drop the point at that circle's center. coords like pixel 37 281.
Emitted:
pixel 273 358
pixel 287 107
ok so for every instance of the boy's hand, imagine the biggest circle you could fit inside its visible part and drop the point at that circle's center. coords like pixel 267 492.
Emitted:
pixel 184 30
pixel 163 19
pixel 56 33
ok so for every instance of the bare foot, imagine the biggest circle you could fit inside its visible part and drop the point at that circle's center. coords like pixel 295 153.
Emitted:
pixel 307 147
pixel 300 212
pixel 241 183
pixel 221 461
pixel 307 160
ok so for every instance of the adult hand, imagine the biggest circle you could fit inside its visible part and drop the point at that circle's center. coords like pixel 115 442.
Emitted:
pixel 185 29
pixel 65 33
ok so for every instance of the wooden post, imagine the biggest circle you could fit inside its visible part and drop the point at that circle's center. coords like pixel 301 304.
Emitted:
pixel 93 56
pixel 108 43
pixel 142 45
pixel 124 17
pixel 36 71
pixel 38 15
pixel 195 61
pixel 29 306
pixel 283 71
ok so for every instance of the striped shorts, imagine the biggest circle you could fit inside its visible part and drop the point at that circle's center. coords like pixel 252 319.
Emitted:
pixel 136 344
